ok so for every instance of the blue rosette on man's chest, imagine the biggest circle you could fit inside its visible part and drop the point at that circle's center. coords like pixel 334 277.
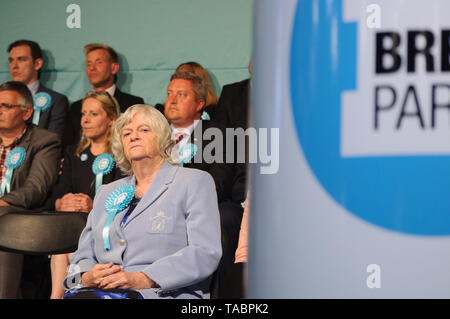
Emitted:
pixel 13 160
pixel 42 101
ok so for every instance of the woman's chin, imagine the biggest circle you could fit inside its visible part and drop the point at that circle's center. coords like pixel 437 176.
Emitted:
pixel 138 158
pixel 143 157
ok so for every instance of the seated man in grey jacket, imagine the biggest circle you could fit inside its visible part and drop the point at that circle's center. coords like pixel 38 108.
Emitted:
pixel 29 163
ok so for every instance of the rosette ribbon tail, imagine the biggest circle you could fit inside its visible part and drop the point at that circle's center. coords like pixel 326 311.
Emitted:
pixel 6 182
pixel 98 181
pixel 106 228
pixel 36 116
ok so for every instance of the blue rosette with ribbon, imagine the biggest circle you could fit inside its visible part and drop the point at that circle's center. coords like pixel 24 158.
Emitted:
pixel 115 203
pixel 41 101
pixel 13 160
pixel 102 165
pixel 186 152
pixel 205 116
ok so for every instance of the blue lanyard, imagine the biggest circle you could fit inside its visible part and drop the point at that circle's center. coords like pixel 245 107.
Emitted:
pixel 131 207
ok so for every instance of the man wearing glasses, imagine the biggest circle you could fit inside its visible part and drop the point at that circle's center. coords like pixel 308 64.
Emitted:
pixel 25 62
pixel 32 177
pixel 102 65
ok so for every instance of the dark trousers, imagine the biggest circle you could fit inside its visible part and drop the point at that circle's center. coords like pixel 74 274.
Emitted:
pixel 10 275
pixel 227 280
pixel 24 276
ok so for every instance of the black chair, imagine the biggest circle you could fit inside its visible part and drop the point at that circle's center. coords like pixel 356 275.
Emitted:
pixel 37 235
pixel 41 233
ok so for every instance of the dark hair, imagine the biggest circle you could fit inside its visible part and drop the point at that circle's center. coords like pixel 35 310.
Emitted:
pixel 35 49
pixel 22 89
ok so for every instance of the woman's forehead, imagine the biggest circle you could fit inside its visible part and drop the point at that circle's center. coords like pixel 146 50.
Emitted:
pixel 136 120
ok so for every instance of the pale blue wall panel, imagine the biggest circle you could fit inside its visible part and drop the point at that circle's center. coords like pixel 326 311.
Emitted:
pixel 152 38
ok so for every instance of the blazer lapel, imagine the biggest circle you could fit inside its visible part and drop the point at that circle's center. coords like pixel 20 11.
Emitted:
pixel 119 97
pixel 159 185
pixel 43 116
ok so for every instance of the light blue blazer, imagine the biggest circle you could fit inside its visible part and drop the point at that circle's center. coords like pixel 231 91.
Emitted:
pixel 173 234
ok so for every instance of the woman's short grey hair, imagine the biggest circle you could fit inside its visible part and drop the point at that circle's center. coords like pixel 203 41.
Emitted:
pixel 158 125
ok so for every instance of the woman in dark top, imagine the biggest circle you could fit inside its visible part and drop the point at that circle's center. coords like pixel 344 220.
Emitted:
pixel 77 177
pixel 77 184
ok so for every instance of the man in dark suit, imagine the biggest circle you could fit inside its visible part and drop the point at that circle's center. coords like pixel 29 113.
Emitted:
pixel 233 107
pixel 186 96
pixel 102 65
pixel 25 62
pixel 32 179
pixel 233 111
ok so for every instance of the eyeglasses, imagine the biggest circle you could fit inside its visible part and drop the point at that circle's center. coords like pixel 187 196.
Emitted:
pixel 7 107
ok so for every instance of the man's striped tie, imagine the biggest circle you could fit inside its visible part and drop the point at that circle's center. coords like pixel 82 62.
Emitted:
pixel 179 137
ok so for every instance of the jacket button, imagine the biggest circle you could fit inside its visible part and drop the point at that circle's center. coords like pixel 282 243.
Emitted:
pixel 122 241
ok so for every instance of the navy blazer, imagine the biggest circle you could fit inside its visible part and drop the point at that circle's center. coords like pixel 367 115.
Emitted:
pixel 173 234
pixel 54 118
pixel 221 171
pixel 233 107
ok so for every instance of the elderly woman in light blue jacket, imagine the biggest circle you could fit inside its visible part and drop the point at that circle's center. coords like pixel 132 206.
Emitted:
pixel 155 233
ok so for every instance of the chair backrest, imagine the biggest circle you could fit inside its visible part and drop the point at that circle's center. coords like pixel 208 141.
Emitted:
pixel 41 233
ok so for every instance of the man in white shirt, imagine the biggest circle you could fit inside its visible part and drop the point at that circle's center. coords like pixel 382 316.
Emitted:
pixel 102 66
pixel 186 96
pixel 28 185
pixel 25 63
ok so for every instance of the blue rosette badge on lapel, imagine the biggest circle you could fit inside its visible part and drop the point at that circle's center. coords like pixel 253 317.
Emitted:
pixel 102 165
pixel 14 159
pixel 205 116
pixel 41 101
pixel 115 203
pixel 186 152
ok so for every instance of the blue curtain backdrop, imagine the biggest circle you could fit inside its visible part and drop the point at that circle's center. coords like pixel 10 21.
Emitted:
pixel 152 38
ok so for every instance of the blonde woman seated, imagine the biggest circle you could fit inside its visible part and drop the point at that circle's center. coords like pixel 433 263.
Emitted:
pixel 153 234
pixel 77 184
